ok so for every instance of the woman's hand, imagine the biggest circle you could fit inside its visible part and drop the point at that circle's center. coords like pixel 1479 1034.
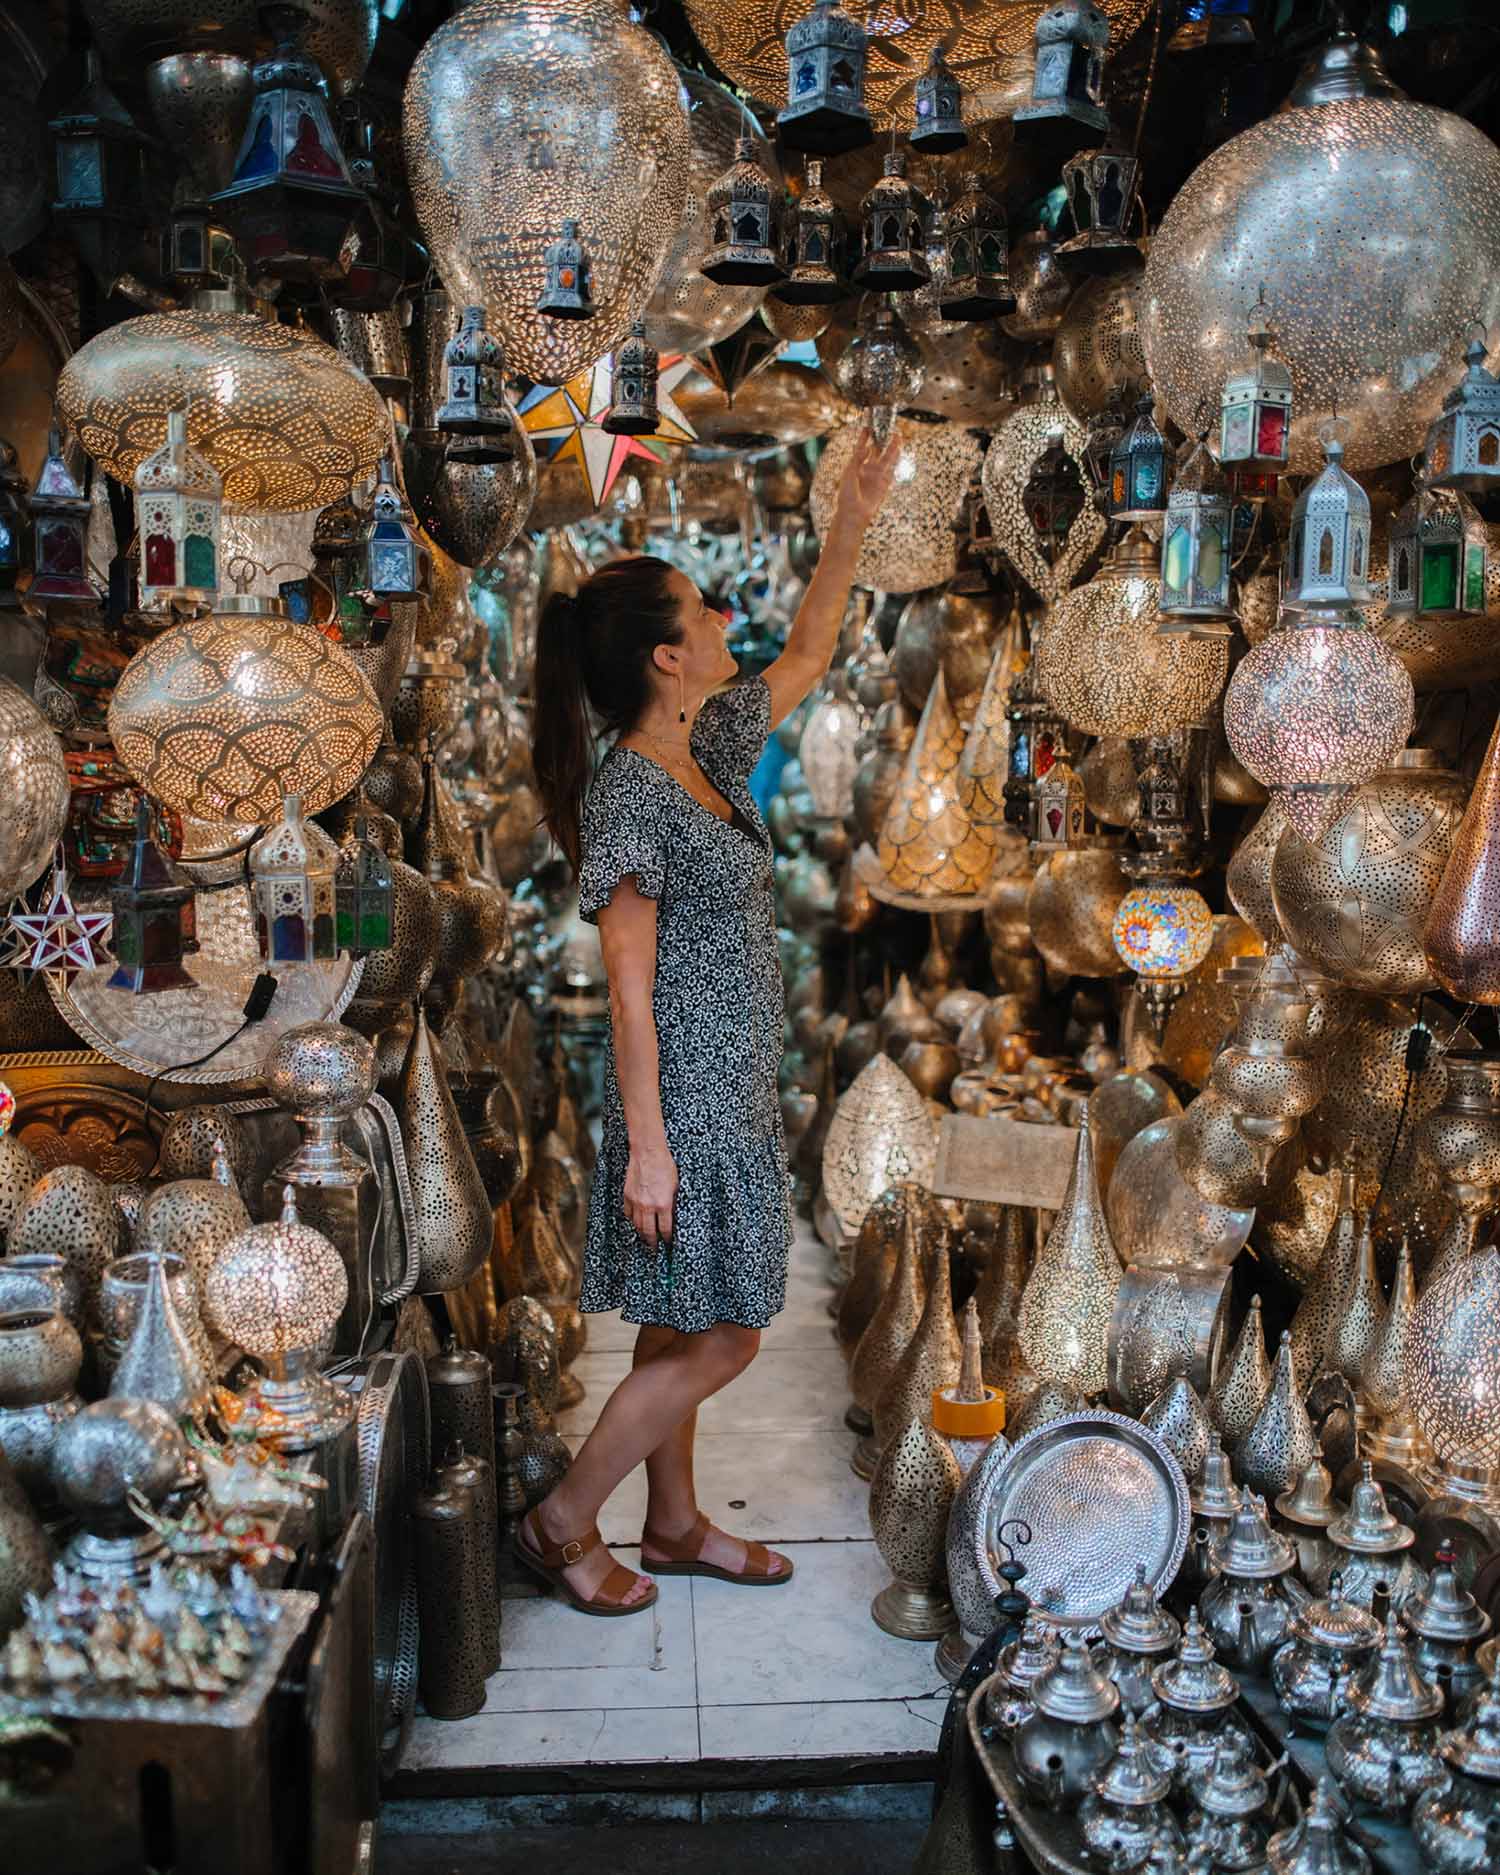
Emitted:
pixel 650 1193
pixel 866 480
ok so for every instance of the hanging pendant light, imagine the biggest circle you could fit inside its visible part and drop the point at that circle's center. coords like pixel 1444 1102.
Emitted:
pixel 1439 556
pixel 825 89
pixel 939 125
pixel 474 414
pixel 154 922
pixel 814 239
pixel 1196 549
pixel 1034 489
pixel 178 497
pixel 1255 408
pixel 1462 935
pixel 292 872
pixel 975 280
pixel 894 249
pixel 59 531
pixel 743 224
pixel 1137 469
pixel 634 376
pixel 1103 197
pixel 100 163
pixel 1463 445
pixel 929 848
pixel 1162 932
pixel 1066 107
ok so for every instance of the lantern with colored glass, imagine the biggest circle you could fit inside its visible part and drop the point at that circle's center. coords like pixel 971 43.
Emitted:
pixel 397 565
pixel 1195 547
pixel 894 216
pixel 59 521
pixel 364 895
pixel 813 239
pixel 567 284
pixel 100 163
pixel 939 110
pixel 1067 86
pixel 338 556
pixel 1463 445
pixel 155 922
pixel 1035 729
pixel 1162 932
pixel 1059 806
pixel 291 202
pixel 291 881
pixel 1439 556
pixel 633 378
pixel 1101 186
pixel 379 251
pixel 976 276
pixel 1137 469
pixel 473 414
pixel 1255 412
pixel 197 254
pixel 742 223
pixel 825 83
pixel 1328 549
pixel 15 525
pixel 178 500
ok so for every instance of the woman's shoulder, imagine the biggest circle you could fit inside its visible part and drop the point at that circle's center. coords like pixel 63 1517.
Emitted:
pixel 618 791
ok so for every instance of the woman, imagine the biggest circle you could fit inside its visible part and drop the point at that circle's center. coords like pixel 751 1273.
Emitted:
pixel 689 1224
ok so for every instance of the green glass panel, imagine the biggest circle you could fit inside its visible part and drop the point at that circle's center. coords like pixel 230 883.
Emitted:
pixel 375 929
pixel 344 926
pixel 1176 562
pixel 1439 579
pixel 1210 559
pixel 198 561
pixel 1474 571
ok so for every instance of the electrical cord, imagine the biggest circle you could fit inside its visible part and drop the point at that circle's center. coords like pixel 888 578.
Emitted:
pixel 1418 1053
pixel 257 1006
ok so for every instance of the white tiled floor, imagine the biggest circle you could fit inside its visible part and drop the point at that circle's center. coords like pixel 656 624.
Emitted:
pixel 716 1672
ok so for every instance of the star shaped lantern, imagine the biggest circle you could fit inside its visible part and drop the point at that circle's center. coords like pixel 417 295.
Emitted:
pixel 565 423
pixel 57 940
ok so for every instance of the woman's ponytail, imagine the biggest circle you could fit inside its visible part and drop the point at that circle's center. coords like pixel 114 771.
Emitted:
pixel 562 744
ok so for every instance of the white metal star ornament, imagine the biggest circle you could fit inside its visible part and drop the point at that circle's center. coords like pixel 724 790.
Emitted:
pixel 57 941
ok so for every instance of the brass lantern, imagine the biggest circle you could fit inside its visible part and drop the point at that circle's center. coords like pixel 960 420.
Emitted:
pixel 1439 556
pixel 292 885
pixel 939 125
pixel 633 378
pixel 1067 88
pixel 59 521
pixel 155 922
pixel 894 215
pixel 1034 739
pixel 1059 815
pixel 742 217
pixel 291 202
pixel 397 565
pixel 1463 445
pixel 1255 407
pixel 100 161
pixel 1328 552
pixel 473 413
pixel 1195 547
pixel 178 498
pixel 975 281
pixel 825 84
pixel 567 284
pixel 1137 469
pixel 1102 195
pixel 813 240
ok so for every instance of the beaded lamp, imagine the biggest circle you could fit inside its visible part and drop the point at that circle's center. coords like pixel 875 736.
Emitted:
pixel 825 87
pixel 1328 547
pixel 893 217
pixel 939 125
pixel 1439 556
pixel 1463 445
pixel 742 224
pixel 292 872
pixel 1255 405
pixel 1196 548
pixel 59 522
pixel 178 495
pixel 813 240
pixel 1162 932
pixel 155 924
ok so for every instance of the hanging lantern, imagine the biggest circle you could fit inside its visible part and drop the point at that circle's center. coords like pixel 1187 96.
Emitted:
pixel 364 895
pixel 633 378
pixel 1439 556
pixel 929 848
pixel 1137 469
pixel 894 257
pixel 1166 838
pixel 397 564
pixel 59 522
pixel 155 923
pixel 474 413
pixel 291 203
pixel 1034 490
pixel 178 497
pixel 1196 547
pixel 742 221
pixel 1067 87
pixel 975 279
pixel 1102 188
pixel 825 85
pixel 813 240
pixel 910 543
pixel 1328 549
pixel 567 286
pixel 1463 445
pixel 1162 932
pixel 100 160
pixel 1034 731
pixel 197 254
pixel 939 125
pixel 882 370
pixel 1059 806
pixel 292 872
pixel 15 526
pixel 1255 407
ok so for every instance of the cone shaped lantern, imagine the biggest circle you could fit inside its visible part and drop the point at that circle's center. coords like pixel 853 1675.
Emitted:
pixel 929 847
pixel 1066 1305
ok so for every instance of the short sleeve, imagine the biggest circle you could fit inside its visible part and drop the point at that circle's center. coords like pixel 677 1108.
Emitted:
pixel 731 729
pixel 619 836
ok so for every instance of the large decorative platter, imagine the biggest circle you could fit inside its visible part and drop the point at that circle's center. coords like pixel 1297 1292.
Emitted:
pixel 1100 1494
pixel 154 1033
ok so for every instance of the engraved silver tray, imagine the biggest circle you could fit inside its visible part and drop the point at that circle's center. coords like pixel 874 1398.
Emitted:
pixel 1100 1494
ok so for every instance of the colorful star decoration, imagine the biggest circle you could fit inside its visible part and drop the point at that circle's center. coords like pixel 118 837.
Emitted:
pixel 58 940
pixel 564 423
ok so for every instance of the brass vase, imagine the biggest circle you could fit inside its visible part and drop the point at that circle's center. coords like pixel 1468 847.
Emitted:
pixel 872 1265
pixel 932 1360
pixel 1236 1397
pixel 1281 1444
pixel 1462 936
pixel 912 1492
pixel 888 1336
pixel 1066 1305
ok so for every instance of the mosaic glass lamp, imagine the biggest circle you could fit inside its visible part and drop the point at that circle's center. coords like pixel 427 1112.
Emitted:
pixel 825 88
pixel 1439 556
pixel 1196 552
pixel 178 498
pixel 292 872
pixel 1162 932
pixel 1328 547
pixel 155 922
pixel 1463 445
pixel 1255 406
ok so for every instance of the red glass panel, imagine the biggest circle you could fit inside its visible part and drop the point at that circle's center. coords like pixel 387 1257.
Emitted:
pixel 161 560
pixel 1270 433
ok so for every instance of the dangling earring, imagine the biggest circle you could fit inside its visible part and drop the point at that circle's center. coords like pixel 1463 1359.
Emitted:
pixel 681 700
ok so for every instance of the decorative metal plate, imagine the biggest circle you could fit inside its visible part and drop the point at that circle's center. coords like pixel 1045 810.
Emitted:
pixel 1100 1494
pixel 153 1033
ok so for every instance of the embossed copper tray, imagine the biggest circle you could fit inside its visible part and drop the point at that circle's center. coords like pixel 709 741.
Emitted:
pixel 1100 1494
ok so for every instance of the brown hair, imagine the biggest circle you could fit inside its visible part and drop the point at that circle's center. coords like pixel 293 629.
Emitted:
pixel 593 651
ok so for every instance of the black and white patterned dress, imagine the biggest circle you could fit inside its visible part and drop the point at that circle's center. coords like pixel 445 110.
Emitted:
pixel 718 1009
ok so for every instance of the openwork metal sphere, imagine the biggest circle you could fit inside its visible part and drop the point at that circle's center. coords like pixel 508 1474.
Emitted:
pixel 286 421
pixel 1071 907
pixel 568 112
pixel 34 786
pixel 320 1069
pixel 1097 354
pixel 472 510
pixel 276 1288
pixel 1374 224
pixel 222 718
pixel 339 35
pixel 1453 1361
pixel 1102 665
pixel 689 312
pixel 1355 900
pixel 969 372
pixel 910 543
pixel 1041 287
pixel 1049 564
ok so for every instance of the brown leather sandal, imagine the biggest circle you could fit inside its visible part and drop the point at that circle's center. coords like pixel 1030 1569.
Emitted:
pixel 683 1555
pixel 548 1563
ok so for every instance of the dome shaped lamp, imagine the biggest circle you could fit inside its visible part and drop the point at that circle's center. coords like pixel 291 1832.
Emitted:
pixel 1066 108
pixel 1162 932
pixel 1255 412
pixel 178 500
pixel 1102 188
pixel 975 279
pixel 825 87
pixel 814 238
pixel 742 220
pixel 1463 445
pixel 1196 551
pixel 939 125
pixel 894 216
pixel 1328 547
pixel 1137 469
pixel 1439 556
pixel 292 873
pixel 474 415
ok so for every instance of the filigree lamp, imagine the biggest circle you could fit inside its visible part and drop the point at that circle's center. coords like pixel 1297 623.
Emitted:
pixel 1034 489
pixel 1452 1375
pixel 910 543
pixel 929 847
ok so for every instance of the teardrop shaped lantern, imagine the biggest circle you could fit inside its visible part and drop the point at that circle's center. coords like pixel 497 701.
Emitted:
pixel 1035 490
pixel 881 1135
pixel 484 125
pixel 929 848
pixel 1462 934
pixel 454 1221
pixel 1069 1296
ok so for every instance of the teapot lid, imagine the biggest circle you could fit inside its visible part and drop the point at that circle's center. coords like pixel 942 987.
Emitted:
pixel 1444 1610
pixel 1311 1501
pixel 1369 1527
pixel 1024 1658
pixel 1336 1624
pixel 1252 1550
pixel 1390 1687
pixel 1192 1680
pixel 1236 1786
pixel 1474 1748
pixel 1130 1776
pixel 1214 1495
pixel 1072 1688
pixel 1140 1625
pixel 1317 1843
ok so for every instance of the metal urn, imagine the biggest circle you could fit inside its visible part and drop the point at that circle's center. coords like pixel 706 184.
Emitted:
pixel 1385 1748
pixel 1246 1610
pixel 1457 1829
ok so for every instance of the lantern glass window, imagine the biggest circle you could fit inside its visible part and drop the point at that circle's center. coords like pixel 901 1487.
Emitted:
pixel 292 872
pixel 363 896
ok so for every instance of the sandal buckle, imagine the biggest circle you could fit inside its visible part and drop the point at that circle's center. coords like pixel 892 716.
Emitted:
pixel 572 1553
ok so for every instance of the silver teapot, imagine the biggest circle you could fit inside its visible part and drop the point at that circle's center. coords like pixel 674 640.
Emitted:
pixel 1329 1640
pixel 1246 1609
pixel 1457 1828
pixel 1445 1624
pixel 1317 1843
pixel 1008 1700
pixel 1372 1545
pixel 1125 1813
pixel 1070 1733
pixel 1138 1633
pixel 1193 1697
pixel 1230 1819
pixel 1384 1748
